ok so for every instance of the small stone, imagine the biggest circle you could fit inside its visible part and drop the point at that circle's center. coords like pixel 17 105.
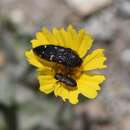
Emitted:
pixel 87 7
pixel 101 27
pixel 17 16
pixel 125 56
pixel 124 9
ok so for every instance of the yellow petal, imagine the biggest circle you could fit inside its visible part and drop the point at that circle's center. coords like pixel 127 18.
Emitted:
pixel 36 43
pixel 80 38
pixel 57 89
pixel 70 38
pixel 40 36
pixel 65 38
pixel 88 85
pixel 32 59
pixel 40 40
pixel 44 38
pixel 73 96
pixel 51 38
pixel 95 60
pixel 85 44
pixel 57 34
pixel 81 35
pixel 47 83
pixel 45 71
pixel 62 92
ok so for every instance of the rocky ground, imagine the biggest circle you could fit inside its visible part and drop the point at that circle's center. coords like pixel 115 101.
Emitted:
pixel 23 107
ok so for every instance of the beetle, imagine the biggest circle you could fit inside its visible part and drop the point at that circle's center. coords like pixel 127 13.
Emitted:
pixel 66 80
pixel 58 54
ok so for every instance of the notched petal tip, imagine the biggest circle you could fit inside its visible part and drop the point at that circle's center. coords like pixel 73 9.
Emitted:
pixel 89 85
pixel 47 83
pixel 74 102
pixel 70 26
pixel 93 96
pixel 95 60
pixel 26 53
pixel 73 96
pixel 86 41
pixel 46 91
pixel 71 29
pixel 54 30
pixel 44 29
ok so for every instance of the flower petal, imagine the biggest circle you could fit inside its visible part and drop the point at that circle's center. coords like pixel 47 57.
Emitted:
pixel 45 71
pixel 72 38
pixel 73 96
pixel 95 60
pixel 32 59
pixel 89 84
pixel 47 83
pixel 65 38
pixel 48 35
pixel 40 36
pixel 62 92
pixel 57 90
pixel 85 44
pixel 58 36
pixel 81 34
pixel 80 38
pixel 40 40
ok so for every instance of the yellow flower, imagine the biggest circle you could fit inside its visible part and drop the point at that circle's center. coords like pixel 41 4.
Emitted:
pixel 80 42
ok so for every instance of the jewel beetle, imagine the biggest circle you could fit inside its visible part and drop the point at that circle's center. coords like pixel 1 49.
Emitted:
pixel 58 54
pixel 66 80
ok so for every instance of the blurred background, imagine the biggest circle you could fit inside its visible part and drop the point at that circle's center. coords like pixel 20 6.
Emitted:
pixel 22 106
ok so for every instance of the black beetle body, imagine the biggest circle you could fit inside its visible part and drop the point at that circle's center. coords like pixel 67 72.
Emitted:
pixel 58 54
pixel 66 80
